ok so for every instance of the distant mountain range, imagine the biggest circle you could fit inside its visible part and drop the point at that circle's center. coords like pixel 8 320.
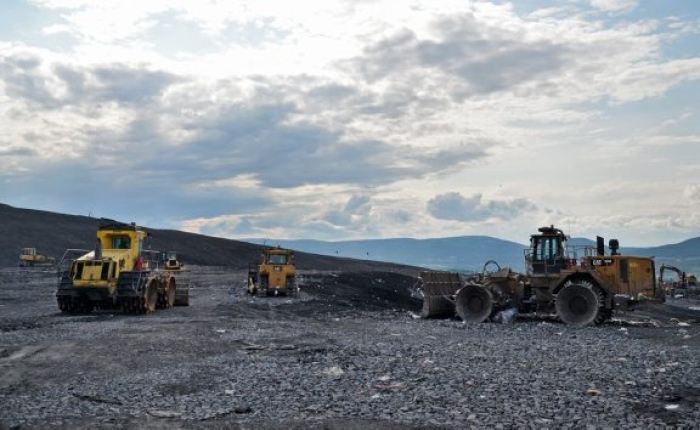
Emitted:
pixel 470 253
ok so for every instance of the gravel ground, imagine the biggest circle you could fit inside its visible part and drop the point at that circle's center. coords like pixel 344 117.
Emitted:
pixel 347 352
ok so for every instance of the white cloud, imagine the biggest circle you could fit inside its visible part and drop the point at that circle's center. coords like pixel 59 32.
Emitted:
pixel 692 192
pixel 454 206
pixel 362 111
pixel 615 5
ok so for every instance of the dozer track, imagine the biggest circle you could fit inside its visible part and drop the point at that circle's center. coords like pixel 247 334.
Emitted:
pixel 69 301
pixel 75 305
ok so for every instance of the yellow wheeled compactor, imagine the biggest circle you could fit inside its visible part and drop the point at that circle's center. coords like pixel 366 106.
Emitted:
pixel 581 286
pixel 118 274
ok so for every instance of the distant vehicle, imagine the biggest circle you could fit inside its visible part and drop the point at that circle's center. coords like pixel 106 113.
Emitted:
pixel 172 264
pixel 31 257
pixel 275 275
pixel 580 286
pixel 685 284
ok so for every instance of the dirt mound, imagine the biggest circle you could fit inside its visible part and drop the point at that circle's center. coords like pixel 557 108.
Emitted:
pixel 364 290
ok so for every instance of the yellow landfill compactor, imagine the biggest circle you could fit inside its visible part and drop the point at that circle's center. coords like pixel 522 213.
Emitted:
pixel 118 274
pixel 581 286
pixel 275 275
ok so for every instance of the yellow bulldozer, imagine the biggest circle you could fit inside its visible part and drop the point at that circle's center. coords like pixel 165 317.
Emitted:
pixel 581 286
pixel 118 274
pixel 173 265
pixel 30 257
pixel 171 262
pixel 274 275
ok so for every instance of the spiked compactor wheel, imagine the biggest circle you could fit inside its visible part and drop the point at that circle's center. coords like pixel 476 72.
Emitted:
pixel 579 304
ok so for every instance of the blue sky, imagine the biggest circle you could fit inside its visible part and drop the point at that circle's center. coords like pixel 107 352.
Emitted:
pixel 356 119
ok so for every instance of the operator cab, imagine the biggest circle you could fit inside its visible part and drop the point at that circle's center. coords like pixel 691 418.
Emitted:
pixel 547 252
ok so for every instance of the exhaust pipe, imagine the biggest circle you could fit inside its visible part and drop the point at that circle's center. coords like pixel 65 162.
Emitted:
pixel 98 250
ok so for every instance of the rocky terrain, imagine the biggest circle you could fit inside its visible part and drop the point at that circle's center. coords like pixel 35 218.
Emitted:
pixel 346 353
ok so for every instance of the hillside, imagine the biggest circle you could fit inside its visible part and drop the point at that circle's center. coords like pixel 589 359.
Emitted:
pixel 53 233
pixel 684 255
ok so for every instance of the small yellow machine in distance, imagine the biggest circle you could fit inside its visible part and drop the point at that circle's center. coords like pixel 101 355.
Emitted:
pixel 275 275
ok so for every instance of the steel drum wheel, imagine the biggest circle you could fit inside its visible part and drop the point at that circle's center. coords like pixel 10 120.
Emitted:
pixel 474 303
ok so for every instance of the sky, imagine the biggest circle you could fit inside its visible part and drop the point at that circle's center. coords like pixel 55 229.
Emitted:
pixel 356 119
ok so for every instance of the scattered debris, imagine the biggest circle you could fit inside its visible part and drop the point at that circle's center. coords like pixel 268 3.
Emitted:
pixel 242 409
pixel 334 372
pixel 164 413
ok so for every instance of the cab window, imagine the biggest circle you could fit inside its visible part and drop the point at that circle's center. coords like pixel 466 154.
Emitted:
pixel 278 259
pixel 121 243
pixel 546 248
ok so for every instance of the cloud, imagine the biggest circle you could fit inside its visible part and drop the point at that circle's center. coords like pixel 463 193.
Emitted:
pixel 454 206
pixel 265 139
pixel 23 78
pixel 468 55
pixel 130 84
pixel 615 5
pixel 338 119
pixel 8 151
pixel 357 207
pixel 184 139
pixel 54 85
pixel 257 133
pixel 692 192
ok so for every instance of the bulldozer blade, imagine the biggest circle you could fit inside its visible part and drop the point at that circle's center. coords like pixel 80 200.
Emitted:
pixel 438 290
pixel 474 303
pixel 437 306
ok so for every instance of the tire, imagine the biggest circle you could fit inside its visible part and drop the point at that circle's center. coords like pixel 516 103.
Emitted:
pixel 262 286
pixel 580 304
pixel 290 286
pixel 151 298
pixel 171 292
pixel 474 303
